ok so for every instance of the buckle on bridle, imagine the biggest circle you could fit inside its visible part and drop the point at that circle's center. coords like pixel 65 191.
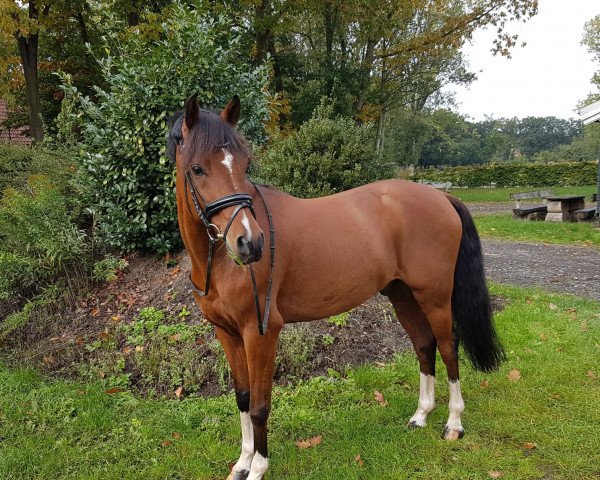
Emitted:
pixel 214 233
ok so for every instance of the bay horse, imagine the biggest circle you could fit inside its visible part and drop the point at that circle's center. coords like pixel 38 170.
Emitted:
pixel 416 245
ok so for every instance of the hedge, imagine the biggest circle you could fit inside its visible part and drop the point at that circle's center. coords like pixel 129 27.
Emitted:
pixel 564 174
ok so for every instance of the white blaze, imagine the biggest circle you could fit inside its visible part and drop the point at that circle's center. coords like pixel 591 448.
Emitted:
pixel 246 224
pixel 426 400
pixel 228 160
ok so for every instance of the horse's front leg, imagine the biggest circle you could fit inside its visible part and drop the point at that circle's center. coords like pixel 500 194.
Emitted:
pixel 233 346
pixel 260 354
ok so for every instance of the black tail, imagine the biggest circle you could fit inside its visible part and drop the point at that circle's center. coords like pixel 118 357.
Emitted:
pixel 471 309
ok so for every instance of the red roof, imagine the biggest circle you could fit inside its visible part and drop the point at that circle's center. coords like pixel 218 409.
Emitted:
pixel 11 135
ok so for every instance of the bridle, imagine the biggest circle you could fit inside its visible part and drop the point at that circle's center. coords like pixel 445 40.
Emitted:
pixel 240 201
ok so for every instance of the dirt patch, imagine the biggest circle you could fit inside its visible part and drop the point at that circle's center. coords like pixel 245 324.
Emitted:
pixel 97 337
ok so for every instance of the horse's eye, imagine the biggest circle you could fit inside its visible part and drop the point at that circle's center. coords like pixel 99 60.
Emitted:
pixel 197 170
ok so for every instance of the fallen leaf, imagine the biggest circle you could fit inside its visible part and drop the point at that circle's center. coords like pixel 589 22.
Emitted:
pixel 113 390
pixel 552 306
pixel 584 326
pixel 178 392
pixel 104 335
pixel 167 443
pixel 514 375
pixel 175 272
pixel 529 445
pixel 379 397
pixel 139 348
pixel 474 447
pixel 529 350
pixel 591 374
pixel 484 384
pixel 311 442
pixel 96 312
pixel 529 302
pixel 175 337
pixel 543 337
pixel 359 461
pixel 380 364
pixel 101 374
pixel 494 474
pixel 176 435
pixel 127 350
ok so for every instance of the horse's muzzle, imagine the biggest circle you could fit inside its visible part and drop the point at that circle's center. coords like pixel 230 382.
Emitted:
pixel 250 251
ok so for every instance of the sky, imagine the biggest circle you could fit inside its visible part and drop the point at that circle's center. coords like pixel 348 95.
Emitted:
pixel 548 77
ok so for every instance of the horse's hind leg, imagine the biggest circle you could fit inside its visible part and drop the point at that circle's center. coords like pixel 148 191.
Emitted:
pixel 415 324
pixel 437 308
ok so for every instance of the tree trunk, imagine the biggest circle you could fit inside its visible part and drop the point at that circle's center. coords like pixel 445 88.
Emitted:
pixel 265 40
pixel 366 69
pixel 28 50
pixel 329 24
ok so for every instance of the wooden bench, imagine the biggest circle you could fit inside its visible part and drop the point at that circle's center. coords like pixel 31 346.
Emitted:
pixel 585 214
pixel 442 186
pixel 530 212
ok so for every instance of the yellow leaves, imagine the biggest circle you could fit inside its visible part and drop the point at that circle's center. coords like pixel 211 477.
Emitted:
pixel 359 461
pixel 514 375
pixel 379 397
pixel 179 392
pixel 311 442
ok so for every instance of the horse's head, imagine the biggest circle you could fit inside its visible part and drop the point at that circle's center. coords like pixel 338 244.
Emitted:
pixel 214 159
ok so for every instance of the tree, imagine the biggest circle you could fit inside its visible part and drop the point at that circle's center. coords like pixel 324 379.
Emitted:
pixel 591 39
pixel 125 172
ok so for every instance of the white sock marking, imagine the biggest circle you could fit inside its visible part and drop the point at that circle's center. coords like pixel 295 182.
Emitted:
pixel 426 400
pixel 228 160
pixel 456 405
pixel 259 466
pixel 245 460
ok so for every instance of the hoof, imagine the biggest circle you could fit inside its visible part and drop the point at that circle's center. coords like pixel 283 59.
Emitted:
pixel 414 424
pixel 241 475
pixel 453 433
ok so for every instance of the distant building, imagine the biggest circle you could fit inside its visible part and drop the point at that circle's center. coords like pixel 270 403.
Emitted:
pixel 11 135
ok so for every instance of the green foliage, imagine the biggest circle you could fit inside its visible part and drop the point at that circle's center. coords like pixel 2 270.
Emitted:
pixel 39 242
pixel 514 174
pixel 340 320
pixel 295 353
pixel 126 174
pixel 18 163
pixel 107 269
pixel 50 421
pixel 325 156
pixel 327 339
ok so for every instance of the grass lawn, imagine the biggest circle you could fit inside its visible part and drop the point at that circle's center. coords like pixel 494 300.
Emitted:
pixel 504 226
pixel 482 195
pixel 544 425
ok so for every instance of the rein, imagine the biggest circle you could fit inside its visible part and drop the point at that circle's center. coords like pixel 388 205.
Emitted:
pixel 240 201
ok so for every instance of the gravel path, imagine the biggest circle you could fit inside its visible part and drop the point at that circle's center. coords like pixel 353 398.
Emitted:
pixel 559 268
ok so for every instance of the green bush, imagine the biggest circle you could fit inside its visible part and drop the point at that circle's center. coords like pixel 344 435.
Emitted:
pixel 126 173
pixel 564 174
pixel 18 163
pixel 40 244
pixel 324 156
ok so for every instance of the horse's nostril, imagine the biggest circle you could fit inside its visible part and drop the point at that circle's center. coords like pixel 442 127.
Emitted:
pixel 261 241
pixel 242 243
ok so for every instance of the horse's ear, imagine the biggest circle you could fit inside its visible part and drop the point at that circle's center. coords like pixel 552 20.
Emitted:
pixel 192 111
pixel 231 113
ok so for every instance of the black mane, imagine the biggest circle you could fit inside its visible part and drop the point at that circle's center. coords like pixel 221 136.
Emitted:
pixel 210 133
